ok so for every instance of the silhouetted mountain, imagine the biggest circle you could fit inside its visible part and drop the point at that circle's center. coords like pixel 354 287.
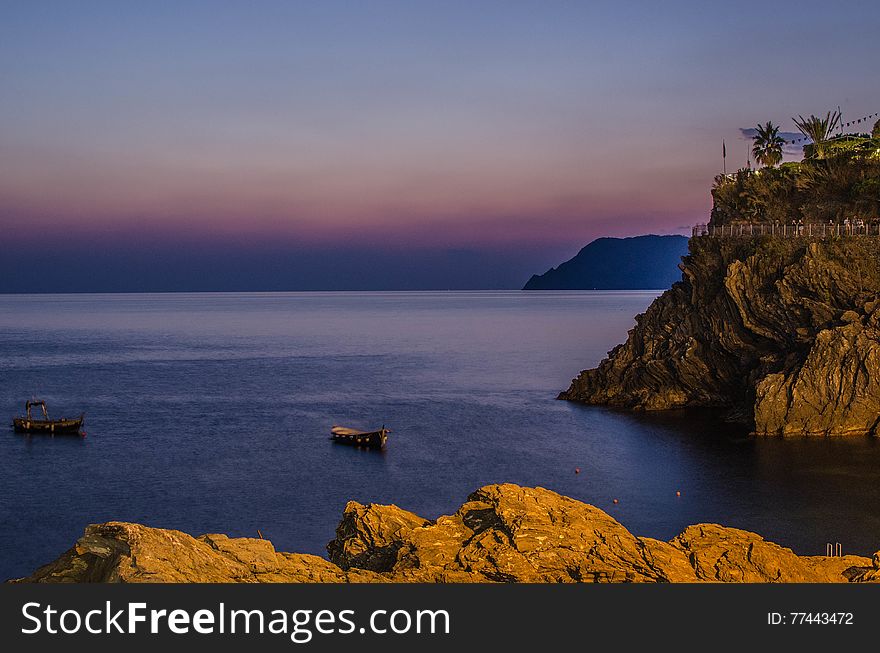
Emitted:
pixel 642 262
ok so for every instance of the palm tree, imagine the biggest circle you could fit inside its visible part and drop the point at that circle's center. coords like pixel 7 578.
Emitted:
pixel 767 149
pixel 818 129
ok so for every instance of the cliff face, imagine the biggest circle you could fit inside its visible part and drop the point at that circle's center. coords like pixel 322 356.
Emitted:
pixel 503 533
pixel 785 332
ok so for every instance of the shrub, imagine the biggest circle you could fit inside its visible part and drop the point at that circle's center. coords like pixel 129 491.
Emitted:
pixel 844 184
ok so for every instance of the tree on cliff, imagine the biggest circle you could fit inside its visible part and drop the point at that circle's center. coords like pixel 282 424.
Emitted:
pixel 818 130
pixel 767 149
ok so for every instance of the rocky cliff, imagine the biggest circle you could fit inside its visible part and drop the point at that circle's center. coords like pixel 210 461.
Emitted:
pixel 502 533
pixel 783 332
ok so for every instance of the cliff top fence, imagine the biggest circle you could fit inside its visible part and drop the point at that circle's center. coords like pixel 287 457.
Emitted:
pixel 789 230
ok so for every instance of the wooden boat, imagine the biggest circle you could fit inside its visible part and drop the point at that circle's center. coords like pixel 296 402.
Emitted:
pixel 369 439
pixel 31 424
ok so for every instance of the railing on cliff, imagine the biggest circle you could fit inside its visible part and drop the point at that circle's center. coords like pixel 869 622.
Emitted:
pixel 790 230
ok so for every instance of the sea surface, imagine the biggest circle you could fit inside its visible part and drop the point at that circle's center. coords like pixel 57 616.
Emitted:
pixel 210 413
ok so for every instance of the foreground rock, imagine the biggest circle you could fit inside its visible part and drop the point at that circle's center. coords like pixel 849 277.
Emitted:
pixel 503 533
pixel 785 333
pixel 119 552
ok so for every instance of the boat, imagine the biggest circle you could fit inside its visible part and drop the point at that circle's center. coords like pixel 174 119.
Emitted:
pixel 368 439
pixel 30 424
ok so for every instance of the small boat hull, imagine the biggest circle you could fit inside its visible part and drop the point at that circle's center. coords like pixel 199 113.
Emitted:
pixel 366 439
pixel 51 426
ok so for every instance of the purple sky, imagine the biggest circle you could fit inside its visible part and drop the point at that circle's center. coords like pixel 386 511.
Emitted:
pixel 514 132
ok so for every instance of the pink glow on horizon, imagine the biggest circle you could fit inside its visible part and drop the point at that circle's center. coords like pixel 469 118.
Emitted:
pixel 468 199
pixel 454 124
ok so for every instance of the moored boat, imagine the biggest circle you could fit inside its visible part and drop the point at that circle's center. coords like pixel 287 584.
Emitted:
pixel 369 439
pixel 30 424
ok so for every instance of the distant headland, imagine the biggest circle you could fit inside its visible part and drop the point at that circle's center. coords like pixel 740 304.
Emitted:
pixel 637 263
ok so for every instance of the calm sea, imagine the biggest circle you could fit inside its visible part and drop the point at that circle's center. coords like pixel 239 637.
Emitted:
pixel 211 412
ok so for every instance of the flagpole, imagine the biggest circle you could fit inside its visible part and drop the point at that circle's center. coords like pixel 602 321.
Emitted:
pixel 724 156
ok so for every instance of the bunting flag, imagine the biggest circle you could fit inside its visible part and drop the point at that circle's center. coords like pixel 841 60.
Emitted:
pixel 851 123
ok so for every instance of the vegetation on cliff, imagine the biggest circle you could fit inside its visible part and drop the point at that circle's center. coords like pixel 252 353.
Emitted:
pixel 838 179
pixel 846 186
pixel 502 533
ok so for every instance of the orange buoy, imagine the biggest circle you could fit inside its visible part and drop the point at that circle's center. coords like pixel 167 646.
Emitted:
pixel 577 470
pixel 678 493
pixel 616 501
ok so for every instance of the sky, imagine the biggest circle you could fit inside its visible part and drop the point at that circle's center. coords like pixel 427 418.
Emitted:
pixel 275 145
